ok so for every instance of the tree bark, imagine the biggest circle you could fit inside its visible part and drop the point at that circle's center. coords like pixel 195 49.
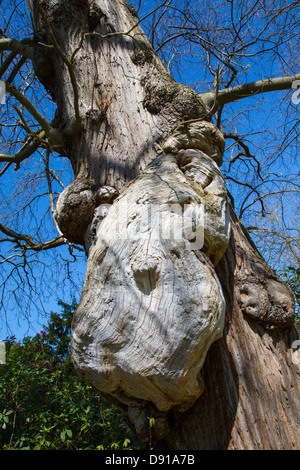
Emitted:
pixel 128 102
pixel 251 395
pixel 128 107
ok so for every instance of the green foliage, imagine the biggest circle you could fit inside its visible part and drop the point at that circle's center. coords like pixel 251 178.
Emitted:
pixel 43 404
pixel 291 276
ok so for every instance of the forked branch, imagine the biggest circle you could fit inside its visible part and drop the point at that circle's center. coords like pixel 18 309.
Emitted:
pixel 18 47
pixel 28 242
pixel 53 135
pixel 29 147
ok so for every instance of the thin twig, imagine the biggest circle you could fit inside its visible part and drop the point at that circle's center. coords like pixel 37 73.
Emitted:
pixel 52 134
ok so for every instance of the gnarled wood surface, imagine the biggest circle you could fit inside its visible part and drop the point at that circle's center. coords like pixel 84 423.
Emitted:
pixel 145 337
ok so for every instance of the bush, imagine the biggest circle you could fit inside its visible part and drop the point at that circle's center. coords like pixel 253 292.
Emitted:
pixel 291 276
pixel 43 404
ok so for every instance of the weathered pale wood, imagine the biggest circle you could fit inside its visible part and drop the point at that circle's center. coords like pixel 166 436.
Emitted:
pixel 145 337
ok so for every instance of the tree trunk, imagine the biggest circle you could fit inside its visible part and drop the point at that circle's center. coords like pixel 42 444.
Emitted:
pixel 194 336
pixel 251 395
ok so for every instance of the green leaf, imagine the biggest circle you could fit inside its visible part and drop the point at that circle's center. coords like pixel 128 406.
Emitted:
pixel 151 422
pixel 73 416
pixel 126 443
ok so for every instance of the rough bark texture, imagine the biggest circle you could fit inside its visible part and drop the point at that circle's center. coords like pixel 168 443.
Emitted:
pixel 128 101
pixel 129 106
pixel 251 395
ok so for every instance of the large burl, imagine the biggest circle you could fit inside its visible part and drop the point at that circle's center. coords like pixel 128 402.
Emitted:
pixel 152 304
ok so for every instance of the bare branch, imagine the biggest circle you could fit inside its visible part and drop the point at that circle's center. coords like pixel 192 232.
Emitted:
pixel 129 31
pixel 19 47
pixel 7 62
pixel 25 151
pixel 4 169
pixel 17 238
pixel 228 95
pixel 49 183
pixel 255 190
pixel 247 153
pixel 16 69
pixel 53 135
